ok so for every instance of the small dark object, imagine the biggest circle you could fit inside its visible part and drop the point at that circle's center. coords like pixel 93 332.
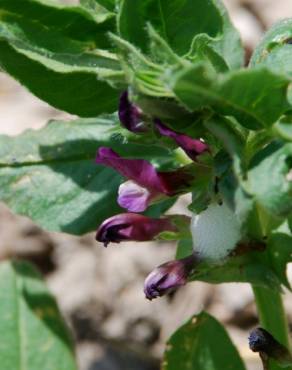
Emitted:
pixel 288 41
pixel 260 340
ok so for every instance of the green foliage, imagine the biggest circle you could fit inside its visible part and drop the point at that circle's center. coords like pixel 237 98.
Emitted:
pixel 55 180
pixel 59 57
pixel 35 335
pixel 181 61
pixel 260 264
pixel 201 344
pixel 234 94
pixel 275 48
pixel 179 22
pixel 274 193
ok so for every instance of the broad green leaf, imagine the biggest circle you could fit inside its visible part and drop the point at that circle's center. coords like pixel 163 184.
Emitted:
pixel 255 97
pixel 274 51
pixel 178 22
pixel 50 175
pixel 201 344
pixel 72 21
pixel 62 71
pixel 35 335
pixel 76 92
pixel 160 51
pixel 268 179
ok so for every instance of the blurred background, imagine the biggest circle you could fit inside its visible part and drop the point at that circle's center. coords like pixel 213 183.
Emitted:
pixel 100 292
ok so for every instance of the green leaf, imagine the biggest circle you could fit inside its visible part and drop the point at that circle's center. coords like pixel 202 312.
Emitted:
pixel 203 50
pixel 231 135
pixel 72 21
pixel 283 128
pixel 274 50
pixel 77 92
pixel 108 4
pixel 50 175
pixel 245 265
pixel 179 22
pixel 247 268
pixel 201 344
pixel 256 98
pixel 280 254
pixel 97 10
pixel 184 248
pixel 36 336
pixel 268 179
pixel 64 72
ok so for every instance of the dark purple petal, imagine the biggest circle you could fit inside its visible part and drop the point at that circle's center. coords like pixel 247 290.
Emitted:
pixel 178 181
pixel 192 147
pixel 168 277
pixel 130 115
pixel 131 226
pixel 140 171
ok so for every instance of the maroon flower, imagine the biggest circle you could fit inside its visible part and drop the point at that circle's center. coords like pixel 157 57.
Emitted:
pixel 130 115
pixel 169 276
pixel 192 147
pixel 145 184
pixel 134 227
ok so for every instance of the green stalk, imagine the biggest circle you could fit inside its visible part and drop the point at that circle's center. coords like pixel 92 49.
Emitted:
pixel 272 317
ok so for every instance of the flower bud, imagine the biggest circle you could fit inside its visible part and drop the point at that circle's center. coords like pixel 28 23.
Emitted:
pixel 192 147
pixel 169 276
pixel 130 115
pixel 135 227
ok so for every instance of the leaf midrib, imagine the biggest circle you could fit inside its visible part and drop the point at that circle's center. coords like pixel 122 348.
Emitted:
pixel 47 162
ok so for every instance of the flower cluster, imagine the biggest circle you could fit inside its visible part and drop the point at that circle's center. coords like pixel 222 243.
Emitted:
pixel 144 186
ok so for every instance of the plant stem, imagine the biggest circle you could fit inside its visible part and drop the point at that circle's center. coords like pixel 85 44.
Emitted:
pixel 272 316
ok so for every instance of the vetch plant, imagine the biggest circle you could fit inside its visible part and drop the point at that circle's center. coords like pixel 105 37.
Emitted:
pixel 166 108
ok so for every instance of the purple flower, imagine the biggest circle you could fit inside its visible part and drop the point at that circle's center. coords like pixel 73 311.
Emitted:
pixel 192 147
pixel 145 184
pixel 134 227
pixel 130 115
pixel 169 276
